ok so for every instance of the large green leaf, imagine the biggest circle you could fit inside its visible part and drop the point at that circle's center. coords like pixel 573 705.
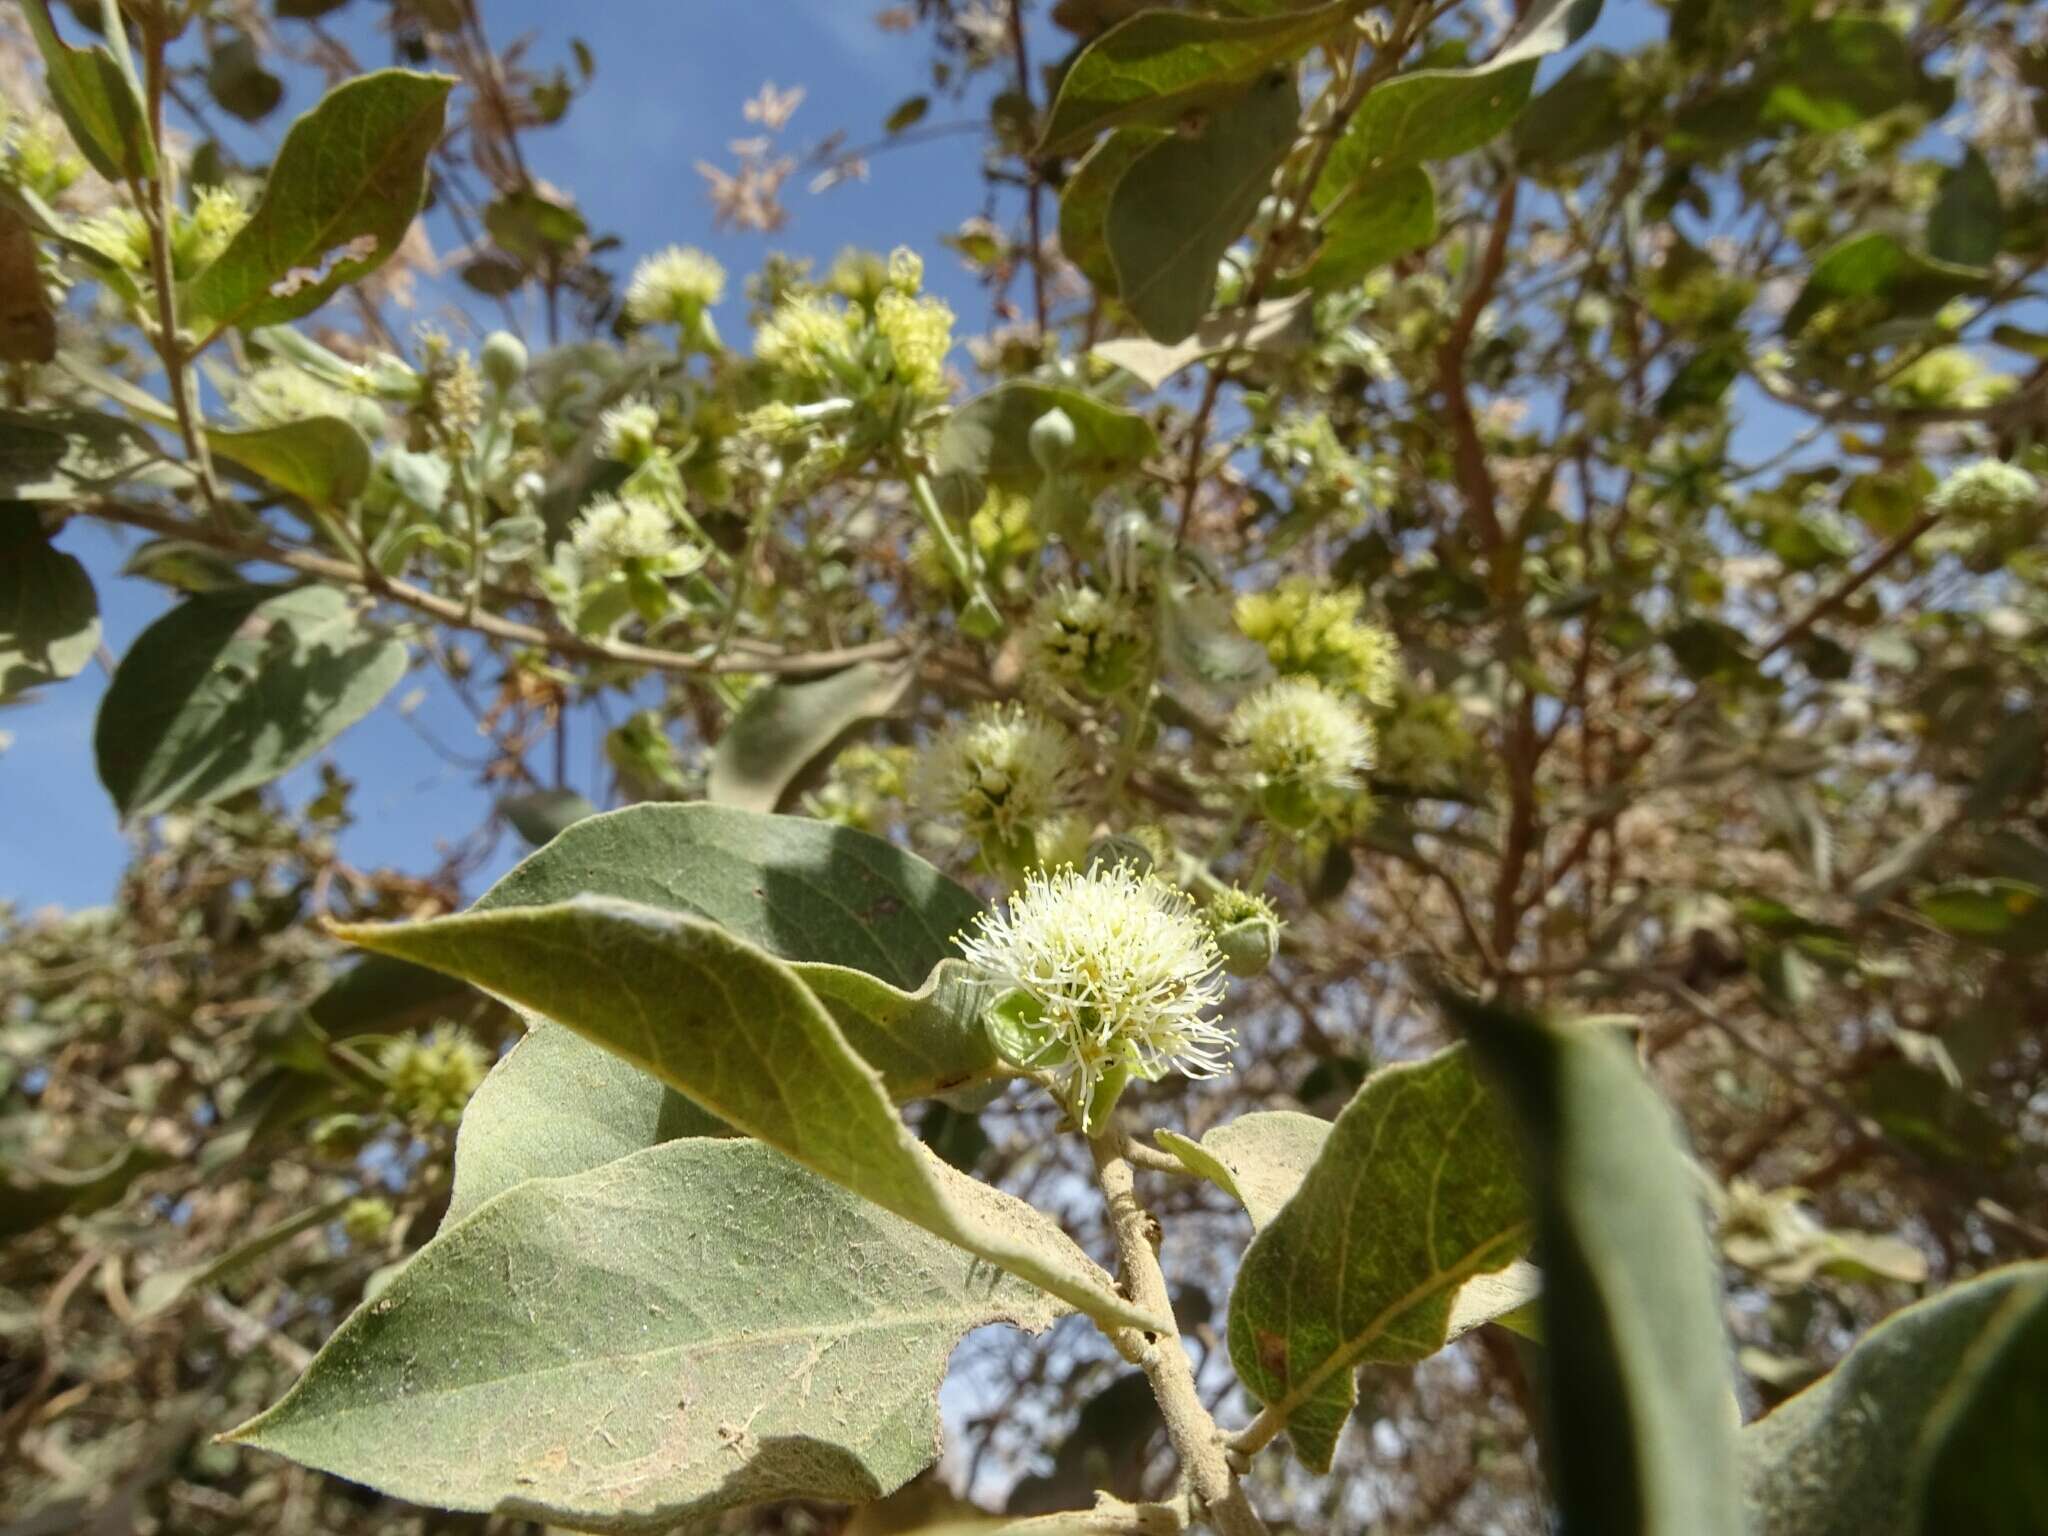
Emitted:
pixel 1413 1194
pixel 1258 1159
pixel 49 614
pixel 1578 116
pixel 322 460
pixel 784 726
pixel 1275 327
pixel 1159 65
pixel 66 454
pixel 988 438
pixel 341 194
pixel 1188 197
pixel 228 690
pixel 1084 202
pixel 96 101
pixel 740 1033
pixel 1872 277
pixel 1386 217
pixel 1934 1424
pixel 806 891
pixel 699 1326
pixel 1637 1373
pixel 1966 225
pixel 557 1105
pixel 1825 76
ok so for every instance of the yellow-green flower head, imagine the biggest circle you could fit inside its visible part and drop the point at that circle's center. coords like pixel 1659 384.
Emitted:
pixel 1084 642
pixel 216 218
pixel 367 1220
pixel 626 431
pixel 1003 770
pixel 919 332
pixel 36 153
pixel 431 1076
pixel 1986 491
pixel 1109 971
pixel 808 337
pixel 611 531
pixel 1321 634
pixel 674 287
pixel 1301 745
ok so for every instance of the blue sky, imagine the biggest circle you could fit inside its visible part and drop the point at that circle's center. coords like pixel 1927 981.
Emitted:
pixel 671 80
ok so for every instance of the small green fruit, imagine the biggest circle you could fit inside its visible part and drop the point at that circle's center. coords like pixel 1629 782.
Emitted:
pixel 503 360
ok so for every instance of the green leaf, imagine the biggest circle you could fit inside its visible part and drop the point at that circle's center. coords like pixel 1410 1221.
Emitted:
pixel 988 438
pixel 700 1326
pixel 557 1105
pixel 1879 278
pixel 1577 117
pixel 785 726
pixel 236 78
pixel 379 995
pixel 1084 202
pixel 229 690
pixel 1932 1425
pixel 541 815
pixel 1276 327
pixel 96 101
pixel 807 891
pixel 1637 1375
pixel 923 1043
pixel 1162 64
pixel 1187 198
pixel 67 454
pixel 167 1287
pixel 1387 217
pixel 1258 1159
pixel 322 460
pixel 2005 914
pixel 49 614
pixel 1414 1194
pixel 1966 225
pixel 1825 76
pixel 340 196
pixel 737 1031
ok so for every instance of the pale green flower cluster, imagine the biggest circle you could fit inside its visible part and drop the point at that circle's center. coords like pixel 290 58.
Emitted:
pixel 431 1076
pixel 902 338
pixel 611 531
pixel 1082 641
pixel 1112 973
pixel 1006 772
pixel 674 287
pixel 1303 747
pixel 1986 491
pixel 121 236
pixel 1322 634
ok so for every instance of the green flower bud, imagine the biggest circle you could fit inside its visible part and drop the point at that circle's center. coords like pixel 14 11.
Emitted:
pixel 1247 931
pixel 1052 441
pixel 367 1221
pixel 1117 849
pixel 503 360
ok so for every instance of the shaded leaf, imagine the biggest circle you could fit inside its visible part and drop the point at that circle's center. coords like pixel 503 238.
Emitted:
pixel 1637 1376
pixel 1832 74
pixel 322 460
pixel 803 890
pixel 1966 225
pixel 1413 1194
pixel 541 815
pixel 229 690
pixel 737 1031
pixel 167 1287
pixel 2004 914
pixel 62 455
pixel 49 614
pixel 1578 116
pixel 1161 64
pixel 674 1334
pixel 1387 217
pixel 1084 202
pixel 28 1200
pixel 93 96
pixel 1933 1424
pixel 784 726
pixel 988 438
pixel 1880 278
pixel 379 995
pixel 344 188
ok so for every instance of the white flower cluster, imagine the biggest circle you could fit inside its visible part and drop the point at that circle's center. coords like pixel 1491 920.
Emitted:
pixel 674 287
pixel 1985 491
pixel 1110 970
pixel 1082 641
pixel 1302 745
pixel 1007 772
pixel 611 532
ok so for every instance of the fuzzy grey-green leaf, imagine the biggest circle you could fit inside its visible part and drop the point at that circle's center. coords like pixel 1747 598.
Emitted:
pixel 696 1327
pixel 737 1031
pixel 784 726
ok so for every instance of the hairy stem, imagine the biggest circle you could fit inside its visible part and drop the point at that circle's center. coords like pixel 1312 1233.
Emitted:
pixel 1165 1364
